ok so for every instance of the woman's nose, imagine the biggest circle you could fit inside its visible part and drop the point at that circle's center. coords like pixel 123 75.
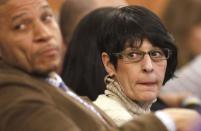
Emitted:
pixel 147 64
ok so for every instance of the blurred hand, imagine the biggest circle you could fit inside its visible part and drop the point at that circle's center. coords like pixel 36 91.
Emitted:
pixel 185 119
pixel 173 99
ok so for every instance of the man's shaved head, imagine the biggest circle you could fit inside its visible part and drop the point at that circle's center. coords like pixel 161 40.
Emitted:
pixel 30 38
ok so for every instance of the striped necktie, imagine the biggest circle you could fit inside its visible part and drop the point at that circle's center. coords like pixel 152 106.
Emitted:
pixel 56 81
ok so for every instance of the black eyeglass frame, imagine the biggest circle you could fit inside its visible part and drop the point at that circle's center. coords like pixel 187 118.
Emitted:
pixel 125 54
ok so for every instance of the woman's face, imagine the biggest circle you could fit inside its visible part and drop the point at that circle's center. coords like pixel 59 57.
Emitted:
pixel 142 80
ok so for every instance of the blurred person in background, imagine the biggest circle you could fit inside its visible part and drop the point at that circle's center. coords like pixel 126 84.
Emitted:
pixel 183 20
pixel 73 10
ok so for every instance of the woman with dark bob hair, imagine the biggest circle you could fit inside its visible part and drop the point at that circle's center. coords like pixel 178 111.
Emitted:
pixel 139 56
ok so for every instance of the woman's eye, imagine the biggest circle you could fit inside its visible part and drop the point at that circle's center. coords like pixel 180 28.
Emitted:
pixel 133 55
pixel 157 53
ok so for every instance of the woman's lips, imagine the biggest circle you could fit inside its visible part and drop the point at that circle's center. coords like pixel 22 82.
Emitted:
pixel 148 85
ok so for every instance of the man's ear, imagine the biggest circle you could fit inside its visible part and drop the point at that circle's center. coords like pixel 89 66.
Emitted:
pixel 64 46
pixel 0 54
pixel 109 67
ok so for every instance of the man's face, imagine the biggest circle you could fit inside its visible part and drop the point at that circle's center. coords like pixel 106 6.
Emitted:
pixel 30 38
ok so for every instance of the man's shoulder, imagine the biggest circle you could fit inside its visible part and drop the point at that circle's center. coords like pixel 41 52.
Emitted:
pixel 14 82
pixel 11 76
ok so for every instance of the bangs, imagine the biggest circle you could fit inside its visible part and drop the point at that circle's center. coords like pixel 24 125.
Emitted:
pixel 126 32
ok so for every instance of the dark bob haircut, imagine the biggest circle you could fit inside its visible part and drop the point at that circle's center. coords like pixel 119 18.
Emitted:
pixel 128 27
pixel 83 69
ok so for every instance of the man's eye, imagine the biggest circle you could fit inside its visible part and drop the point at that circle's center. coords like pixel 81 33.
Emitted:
pixel 20 27
pixel 47 18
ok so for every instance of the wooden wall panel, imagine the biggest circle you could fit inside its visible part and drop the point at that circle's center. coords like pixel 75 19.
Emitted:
pixel 55 4
pixel 156 5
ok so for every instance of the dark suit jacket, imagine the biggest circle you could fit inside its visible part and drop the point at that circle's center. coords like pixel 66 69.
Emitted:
pixel 29 103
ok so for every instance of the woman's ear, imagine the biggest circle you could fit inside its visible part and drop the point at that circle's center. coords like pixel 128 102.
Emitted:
pixel 109 67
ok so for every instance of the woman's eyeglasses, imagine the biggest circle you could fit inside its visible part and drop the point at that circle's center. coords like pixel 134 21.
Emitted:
pixel 135 55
